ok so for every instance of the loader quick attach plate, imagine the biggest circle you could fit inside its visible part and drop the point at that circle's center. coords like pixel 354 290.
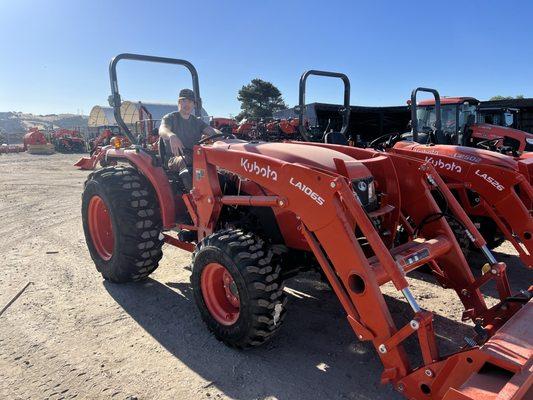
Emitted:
pixel 503 365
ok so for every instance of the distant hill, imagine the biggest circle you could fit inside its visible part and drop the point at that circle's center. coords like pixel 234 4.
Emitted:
pixel 16 124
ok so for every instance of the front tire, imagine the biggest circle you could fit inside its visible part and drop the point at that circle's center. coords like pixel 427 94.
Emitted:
pixel 491 232
pixel 238 288
pixel 122 224
pixel 460 235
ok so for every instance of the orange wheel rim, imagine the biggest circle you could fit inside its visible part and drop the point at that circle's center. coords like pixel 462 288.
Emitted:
pixel 220 294
pixel 101 228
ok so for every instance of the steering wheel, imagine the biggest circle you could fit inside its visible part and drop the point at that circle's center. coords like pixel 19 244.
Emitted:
pixel 216 136
pixel 490 144
pixel 385 140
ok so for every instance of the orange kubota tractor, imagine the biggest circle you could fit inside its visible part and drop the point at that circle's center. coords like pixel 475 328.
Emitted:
pixel 281 129
pixel 493 188
pixel 35 142
pixel 459 127
pixel 226 125
pixel 107 137
pixel 68 141
pixel 247 129
pixel 145 130
pixel 257 210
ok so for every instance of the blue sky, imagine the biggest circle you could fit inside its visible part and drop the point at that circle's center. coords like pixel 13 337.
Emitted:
pixel 55 53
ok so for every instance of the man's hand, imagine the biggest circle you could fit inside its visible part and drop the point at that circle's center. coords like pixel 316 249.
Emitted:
pixel 176 145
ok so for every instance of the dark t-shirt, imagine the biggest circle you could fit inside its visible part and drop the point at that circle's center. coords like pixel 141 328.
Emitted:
pixel 188 130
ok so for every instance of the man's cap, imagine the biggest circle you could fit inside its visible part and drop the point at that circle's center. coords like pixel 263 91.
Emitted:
pixel 187 94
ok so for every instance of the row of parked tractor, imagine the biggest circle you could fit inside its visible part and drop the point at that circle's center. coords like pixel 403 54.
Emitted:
pixel 38 141
pixel 266 129
pixel 260 212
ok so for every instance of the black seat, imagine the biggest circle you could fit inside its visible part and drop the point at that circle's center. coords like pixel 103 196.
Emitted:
pixel 180 184
pixel 465 133
pixel 335 138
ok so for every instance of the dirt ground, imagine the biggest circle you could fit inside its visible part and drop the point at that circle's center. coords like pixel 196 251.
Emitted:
pixel 72 335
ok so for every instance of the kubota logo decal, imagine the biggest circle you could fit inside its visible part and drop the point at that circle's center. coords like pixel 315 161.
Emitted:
pixel 254 168
pixel 308 191
pixel 448 166
pixel 430 151
pixel 490 180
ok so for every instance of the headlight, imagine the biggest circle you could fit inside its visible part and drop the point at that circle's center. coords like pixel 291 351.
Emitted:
pixel 529 144
pixel 116 142
pixel 365 191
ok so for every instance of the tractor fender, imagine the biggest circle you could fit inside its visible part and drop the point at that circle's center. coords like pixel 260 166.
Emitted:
pixel 157 178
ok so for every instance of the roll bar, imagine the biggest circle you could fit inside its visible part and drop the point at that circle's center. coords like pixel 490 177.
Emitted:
pixel 414 119
pixel 114 99
pixel 301 107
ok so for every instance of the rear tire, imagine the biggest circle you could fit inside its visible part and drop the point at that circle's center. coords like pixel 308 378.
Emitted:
pixel 246 308
pixel 122 224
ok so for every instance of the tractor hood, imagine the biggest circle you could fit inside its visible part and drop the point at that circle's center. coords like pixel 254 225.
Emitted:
pixel 522 164
pixel 504 130
pixel 469 154
pixel 492 131
pixel 301 153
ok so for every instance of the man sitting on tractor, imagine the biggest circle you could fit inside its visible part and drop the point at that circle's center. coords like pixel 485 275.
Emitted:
pixel 180 131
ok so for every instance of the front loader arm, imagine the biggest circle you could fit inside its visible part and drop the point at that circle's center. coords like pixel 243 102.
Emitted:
pixel 328 213
pixel 506 195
